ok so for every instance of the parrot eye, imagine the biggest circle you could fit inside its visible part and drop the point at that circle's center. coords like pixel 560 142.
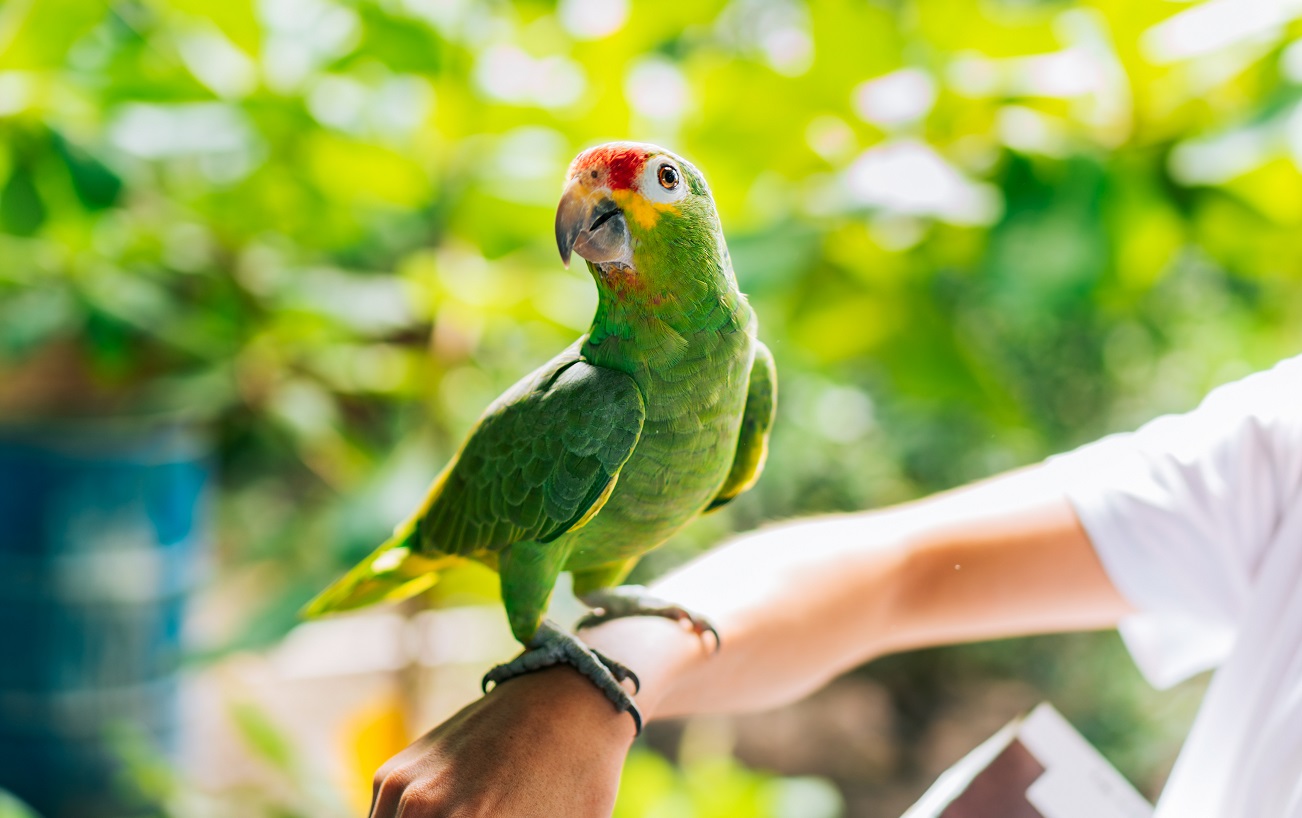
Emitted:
pixel 662 181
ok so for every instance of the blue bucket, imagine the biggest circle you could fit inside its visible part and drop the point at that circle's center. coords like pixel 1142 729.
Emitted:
pixel 103 539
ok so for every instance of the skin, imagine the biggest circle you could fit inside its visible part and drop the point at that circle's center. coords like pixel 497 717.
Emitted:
pixel 795 604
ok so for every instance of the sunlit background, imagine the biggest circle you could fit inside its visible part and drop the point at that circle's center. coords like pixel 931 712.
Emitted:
pixel 263 263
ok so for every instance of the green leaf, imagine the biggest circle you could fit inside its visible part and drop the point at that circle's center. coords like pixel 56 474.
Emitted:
pixel 237 19
pixel 38 34
pixel 264 737
pixel 22 210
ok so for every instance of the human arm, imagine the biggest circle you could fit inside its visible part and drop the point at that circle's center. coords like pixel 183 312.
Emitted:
pixel 798 603
pixel 795 604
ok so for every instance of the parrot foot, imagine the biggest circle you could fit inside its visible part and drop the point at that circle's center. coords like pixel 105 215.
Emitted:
pixel 635 600
pixel 553 646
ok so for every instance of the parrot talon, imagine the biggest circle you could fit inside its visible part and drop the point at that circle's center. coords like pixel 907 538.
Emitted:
pixel 592 620
pixel 707 627
pixel 553 646
pixel 633 600
pixel 637 719
pixel 619 670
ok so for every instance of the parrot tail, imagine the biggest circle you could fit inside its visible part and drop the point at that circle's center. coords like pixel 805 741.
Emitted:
pixel 392 573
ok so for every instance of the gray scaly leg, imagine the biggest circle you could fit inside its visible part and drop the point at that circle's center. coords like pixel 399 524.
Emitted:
pixel 553 646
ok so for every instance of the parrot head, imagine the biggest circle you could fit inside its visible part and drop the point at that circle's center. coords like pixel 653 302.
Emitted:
pixel 640 210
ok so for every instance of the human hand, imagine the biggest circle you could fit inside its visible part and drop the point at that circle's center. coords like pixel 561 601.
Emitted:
pixel 545 744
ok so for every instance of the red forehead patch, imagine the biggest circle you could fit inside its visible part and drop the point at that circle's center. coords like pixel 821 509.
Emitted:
pixel 622 163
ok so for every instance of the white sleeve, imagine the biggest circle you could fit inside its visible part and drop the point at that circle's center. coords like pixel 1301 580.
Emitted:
pixel 1182 512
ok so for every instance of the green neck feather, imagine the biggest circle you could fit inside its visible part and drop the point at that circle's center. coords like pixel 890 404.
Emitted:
pixel 679 285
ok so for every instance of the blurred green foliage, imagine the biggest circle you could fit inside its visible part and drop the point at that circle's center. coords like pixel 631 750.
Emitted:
pixel 287 789
pixel 975 234
pixel 11 807
pixel 717 787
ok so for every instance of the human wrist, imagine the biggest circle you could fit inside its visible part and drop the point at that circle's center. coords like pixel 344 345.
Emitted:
pixel 562 691
pixel 659 651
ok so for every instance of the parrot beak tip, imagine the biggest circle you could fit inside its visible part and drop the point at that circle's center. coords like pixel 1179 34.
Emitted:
pixel 566 233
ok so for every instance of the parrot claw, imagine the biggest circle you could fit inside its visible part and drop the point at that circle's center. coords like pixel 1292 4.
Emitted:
pixel 718 640
pixel 634 600
pixel 553 646
pixel 620 671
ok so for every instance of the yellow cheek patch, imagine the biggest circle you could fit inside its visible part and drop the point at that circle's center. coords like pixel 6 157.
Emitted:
pixel 641 209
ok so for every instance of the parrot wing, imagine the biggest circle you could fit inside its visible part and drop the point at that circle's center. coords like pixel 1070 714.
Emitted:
pixel 753 442
pixel 542 461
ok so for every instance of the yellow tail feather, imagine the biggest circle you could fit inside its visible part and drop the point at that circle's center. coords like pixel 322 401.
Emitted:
pixel 393 572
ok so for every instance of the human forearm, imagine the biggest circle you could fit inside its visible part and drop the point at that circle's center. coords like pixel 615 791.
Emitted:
pixel 798 603
pixel 782 602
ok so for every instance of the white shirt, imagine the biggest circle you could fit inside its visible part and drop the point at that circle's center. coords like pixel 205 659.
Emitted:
pixel 1197 519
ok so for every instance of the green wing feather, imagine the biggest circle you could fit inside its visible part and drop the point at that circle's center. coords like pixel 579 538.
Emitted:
pixel 541 457
pixel 753 442
pixel 541 461
pixel 391 573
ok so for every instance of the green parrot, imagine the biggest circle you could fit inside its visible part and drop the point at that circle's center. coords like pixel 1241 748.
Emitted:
pixel 660 413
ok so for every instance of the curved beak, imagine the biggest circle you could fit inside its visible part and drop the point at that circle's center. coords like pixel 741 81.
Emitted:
pixel 588 222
